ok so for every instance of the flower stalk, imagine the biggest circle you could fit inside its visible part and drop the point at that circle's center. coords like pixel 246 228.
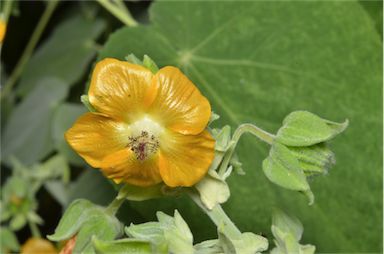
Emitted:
pixel 115 205
pixel 244 128
pixel 219 217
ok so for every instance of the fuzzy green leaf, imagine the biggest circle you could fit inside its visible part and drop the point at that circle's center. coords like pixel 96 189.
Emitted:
pixel 131 246
pixel 302 128
pixel 65 55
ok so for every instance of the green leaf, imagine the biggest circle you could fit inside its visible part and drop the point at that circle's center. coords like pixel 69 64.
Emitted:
pixel 8 241
pixel 58 190
pixel 84 219
pixel 56 166
pixel 169 235
pixel 18 221
pixel 257 61
pixel 27 134
pixel 150 231
pixel 64 117
pixel 302 128
pixel 65 55
pixel 122 246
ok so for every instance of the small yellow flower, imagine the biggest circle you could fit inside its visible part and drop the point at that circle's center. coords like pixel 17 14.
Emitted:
pixel 147 129
pixel 3 28
pixel 38 245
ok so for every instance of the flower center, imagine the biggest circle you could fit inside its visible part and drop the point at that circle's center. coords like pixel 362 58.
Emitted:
pixel 144 139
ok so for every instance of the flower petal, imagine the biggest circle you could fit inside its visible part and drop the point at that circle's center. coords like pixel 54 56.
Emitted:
pixel 94 136
pixel 178 104
pixel 123 166
pixel 119 89
pixel 185 159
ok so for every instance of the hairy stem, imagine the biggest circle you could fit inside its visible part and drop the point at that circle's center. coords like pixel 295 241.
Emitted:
pixel 120 13
pixel 51 5
pixel 34 229
pixel 219 217
pixel 115 205
pixel 244 128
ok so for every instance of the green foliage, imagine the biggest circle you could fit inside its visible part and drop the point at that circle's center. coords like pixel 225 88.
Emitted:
pixel 257 61
pixel 287 232
pixel 64 117
pixel 249 243
pixel 302 128
pixel 27 134
pixel 283 169
pixel 84 219
pixel 8 241
pixel 65 55
pixel 132 246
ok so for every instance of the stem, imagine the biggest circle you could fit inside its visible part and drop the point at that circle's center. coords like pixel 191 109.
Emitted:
pixel 247 127
pixel 114 206
pixel 122 14
pixel 34 229
pixel 51 5
pixel 219 217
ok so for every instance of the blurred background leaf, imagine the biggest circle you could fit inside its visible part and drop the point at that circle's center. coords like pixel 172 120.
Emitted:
pixel 27 134
pixel 65 55
pixel 257 62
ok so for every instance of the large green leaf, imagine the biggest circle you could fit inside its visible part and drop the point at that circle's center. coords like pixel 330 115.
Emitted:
pixel 27 134
pixel 257 61
pixel 64 117
pixel 64 55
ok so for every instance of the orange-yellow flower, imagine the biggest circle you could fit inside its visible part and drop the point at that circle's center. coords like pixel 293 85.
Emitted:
pixel 38 245
pixel 148 128
pixel 3 28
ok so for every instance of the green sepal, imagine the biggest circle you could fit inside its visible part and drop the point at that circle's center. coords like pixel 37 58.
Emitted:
pixel 247 243
pixel 222 137
pixel 208 247
pixel 302 128
pixel 213 118
pixel 283 169
pixel 287 224
pixel 213 190
pixel 8 241
pixel 137 193
pixel 150 64
pixel 84 219
pixel 313 160
pixel 133 246
pixel 131 58
pixel 85 100
pixel 177 233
